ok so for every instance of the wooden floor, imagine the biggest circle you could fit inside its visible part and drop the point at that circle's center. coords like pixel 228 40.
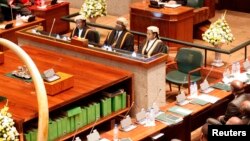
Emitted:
pixel 238 22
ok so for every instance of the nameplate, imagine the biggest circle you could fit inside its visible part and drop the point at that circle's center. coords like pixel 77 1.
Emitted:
pixel 79 42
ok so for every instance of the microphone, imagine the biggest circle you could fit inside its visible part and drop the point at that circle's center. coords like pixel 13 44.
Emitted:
pixel 129 109
pixel 94 125
pixel 52 26
pixel 209 72
pixel 156 96
pixel 155 107
pixel 11 12
pixel 93 135
pixel 204 86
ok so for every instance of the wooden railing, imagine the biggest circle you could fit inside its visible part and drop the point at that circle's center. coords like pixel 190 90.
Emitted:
pixel 140 34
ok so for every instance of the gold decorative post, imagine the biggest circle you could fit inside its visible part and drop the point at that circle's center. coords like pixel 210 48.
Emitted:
pixel 42 100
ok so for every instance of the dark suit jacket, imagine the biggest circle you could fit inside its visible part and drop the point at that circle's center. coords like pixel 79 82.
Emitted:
pixel 125 40
pixel 233 107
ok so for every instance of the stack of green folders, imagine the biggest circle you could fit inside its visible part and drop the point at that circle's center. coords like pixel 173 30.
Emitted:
pixel 78 117
pixel 118 99
pixel 72 120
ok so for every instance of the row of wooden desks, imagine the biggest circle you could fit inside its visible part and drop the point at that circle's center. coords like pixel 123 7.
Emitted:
pixel 182 130
pixel 9 34
pixel 90 79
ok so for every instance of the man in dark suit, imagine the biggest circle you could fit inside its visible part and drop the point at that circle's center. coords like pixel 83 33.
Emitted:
pixel 120 37
pixel 82 30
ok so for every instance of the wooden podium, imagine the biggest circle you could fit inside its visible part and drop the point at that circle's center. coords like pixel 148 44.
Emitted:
pixel 65 82
pixel 175 23
pixel 52 12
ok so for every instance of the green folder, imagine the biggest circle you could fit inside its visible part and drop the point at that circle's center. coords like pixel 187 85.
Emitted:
pixel 52 130
pixel 64 125
pixel 78 121
pixel 73 111
pixel 116 103
pixel 199 101
pixel 27 136
pixel 180 110
pixel 104 107
pixel 68 127
pixel 59 127
pixel 90 113
pixel 109 107
pixel 33 134
pixel 124 100
pixel 84 116
pixel 97 111
pixel 72 123
pixel 222 86
pixel 168 118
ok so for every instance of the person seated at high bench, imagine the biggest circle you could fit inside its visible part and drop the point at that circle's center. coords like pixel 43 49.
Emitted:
pixel 152 45
pixel 82 30
pixel 23 4
pixel 120 37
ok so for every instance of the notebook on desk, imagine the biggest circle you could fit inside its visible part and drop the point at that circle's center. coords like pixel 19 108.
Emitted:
pixel 180 110
pixel 222 86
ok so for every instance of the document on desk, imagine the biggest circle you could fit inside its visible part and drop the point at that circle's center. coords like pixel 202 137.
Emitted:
pixel 199 101
pixel 168 119
pixel 222 86
pixel 208 98
pixel 169 5
pixel 180 110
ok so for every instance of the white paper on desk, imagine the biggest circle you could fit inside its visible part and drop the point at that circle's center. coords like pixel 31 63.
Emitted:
pixel 172 5
pixel 208 98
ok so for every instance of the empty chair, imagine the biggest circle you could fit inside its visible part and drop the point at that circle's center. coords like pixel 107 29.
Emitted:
pixel 189 63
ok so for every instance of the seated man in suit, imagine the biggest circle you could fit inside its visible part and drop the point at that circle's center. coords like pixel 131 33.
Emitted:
pixel 82 30
pixel 120 37
pixel 245 111
pixel 152 45
pixel 233 107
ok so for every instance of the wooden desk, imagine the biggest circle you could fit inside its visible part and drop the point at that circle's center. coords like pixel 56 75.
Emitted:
pixel 176 23
pixel 149 75
pixel 90 79
pixel 10 33
pixel 142 133
pixel 201 113
pixel 53 11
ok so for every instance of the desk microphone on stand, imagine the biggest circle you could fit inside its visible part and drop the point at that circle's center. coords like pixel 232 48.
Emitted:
pixel 94 134
pixel 52 27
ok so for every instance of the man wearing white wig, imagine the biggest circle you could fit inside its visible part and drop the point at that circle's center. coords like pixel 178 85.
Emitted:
pixel 152 45
pixel 83 31
pixel 120 37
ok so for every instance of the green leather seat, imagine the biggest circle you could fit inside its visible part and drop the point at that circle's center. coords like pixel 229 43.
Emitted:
pixel 189 62
pixel 195 3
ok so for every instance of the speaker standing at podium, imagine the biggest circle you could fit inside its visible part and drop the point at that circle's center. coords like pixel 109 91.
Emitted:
pixel 152 45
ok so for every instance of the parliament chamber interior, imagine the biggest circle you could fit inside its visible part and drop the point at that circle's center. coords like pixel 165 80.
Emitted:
pixel 130 70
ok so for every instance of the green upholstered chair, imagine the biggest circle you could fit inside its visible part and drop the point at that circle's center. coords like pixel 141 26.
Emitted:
pixel 195 3
pixel 94 38
pixel 189 63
